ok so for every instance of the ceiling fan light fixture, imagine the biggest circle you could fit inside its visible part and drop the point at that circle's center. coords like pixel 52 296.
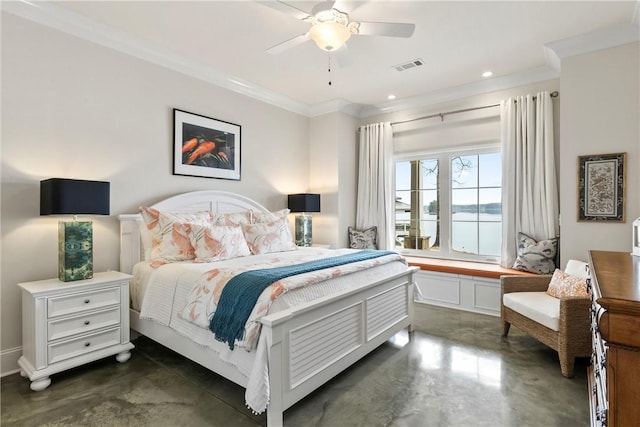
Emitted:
pixel 330 35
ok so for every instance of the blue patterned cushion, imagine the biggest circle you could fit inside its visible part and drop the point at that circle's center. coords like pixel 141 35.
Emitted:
pixel 536 257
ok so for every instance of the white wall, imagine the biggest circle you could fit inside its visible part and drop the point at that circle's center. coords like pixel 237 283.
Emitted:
pixel 73 109
pixel 600 112
pixel 333 174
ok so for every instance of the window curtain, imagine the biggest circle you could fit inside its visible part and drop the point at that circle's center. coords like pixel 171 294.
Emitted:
pixel 376 197
pixel 529 184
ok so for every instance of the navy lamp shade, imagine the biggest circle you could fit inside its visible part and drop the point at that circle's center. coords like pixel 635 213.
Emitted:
pixel 75 238
pixel 303 204
pixel 60 196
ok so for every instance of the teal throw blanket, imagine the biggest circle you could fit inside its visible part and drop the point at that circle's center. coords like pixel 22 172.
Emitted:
pixel 241 293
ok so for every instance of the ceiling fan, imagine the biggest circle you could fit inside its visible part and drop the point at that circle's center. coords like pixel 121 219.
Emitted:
pixel 331 28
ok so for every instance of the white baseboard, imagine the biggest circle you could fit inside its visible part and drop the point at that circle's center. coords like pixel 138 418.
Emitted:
pixel 9 361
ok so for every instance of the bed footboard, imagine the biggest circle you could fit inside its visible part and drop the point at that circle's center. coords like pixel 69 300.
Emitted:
pixel 312 343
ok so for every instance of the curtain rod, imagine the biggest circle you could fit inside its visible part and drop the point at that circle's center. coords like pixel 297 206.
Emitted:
pixel 553 94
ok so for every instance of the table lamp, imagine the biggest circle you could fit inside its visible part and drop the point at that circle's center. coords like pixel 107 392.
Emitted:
pixel 60 196
pixel 304 204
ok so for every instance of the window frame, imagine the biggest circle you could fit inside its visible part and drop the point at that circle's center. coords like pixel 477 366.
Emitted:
pixel 444 158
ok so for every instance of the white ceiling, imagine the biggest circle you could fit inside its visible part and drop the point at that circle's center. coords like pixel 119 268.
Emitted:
pixel 457 40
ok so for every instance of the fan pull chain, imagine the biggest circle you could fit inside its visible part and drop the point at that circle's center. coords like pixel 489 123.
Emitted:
pixel 329 69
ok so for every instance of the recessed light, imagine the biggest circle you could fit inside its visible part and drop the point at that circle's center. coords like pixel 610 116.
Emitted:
pixel 487 74
pixel 391 97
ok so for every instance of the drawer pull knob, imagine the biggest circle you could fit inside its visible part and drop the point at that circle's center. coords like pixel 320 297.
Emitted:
pixel 87 344
pixel 86 322
pixel 87 301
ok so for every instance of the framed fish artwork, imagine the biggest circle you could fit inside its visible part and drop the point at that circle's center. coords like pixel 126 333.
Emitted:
pixel 205 147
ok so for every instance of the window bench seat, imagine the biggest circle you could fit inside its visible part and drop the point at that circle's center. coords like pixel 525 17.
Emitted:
pixel 492 271
pixel 463 285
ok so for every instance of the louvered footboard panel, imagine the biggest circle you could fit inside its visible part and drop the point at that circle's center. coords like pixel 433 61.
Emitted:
pixel 386 309
pixel 318 344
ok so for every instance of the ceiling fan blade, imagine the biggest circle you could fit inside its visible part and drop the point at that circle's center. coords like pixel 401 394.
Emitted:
pixel 342 56
pixel 324 5
pixel 389 29
pixel 347 6
pixel 281 47
pixel 285 8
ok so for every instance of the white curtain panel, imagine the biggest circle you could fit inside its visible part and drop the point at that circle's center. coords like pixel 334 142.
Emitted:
pixel 376 197
pixel 529 184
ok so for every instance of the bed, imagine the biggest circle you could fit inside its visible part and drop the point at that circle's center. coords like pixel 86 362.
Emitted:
pixel 299 347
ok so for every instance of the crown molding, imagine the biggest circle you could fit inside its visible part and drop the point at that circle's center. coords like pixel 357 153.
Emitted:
pixel 596 40
pixel 464 91
pixel 50 15
pixel 334 106
pixel 554 52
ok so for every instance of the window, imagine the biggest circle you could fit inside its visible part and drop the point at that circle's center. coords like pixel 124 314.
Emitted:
pixel 449 205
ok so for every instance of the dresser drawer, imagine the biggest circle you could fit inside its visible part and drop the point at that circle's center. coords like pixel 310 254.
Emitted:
pixel 87 322
pixel 82 345
pixel 75 303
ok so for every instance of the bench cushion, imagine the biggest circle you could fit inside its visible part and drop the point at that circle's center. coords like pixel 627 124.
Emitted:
pixel 537 306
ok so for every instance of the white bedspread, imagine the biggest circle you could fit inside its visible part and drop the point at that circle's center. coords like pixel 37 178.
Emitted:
pixel 160 294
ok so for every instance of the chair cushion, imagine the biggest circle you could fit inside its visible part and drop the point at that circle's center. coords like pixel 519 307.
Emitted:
pixel 537 306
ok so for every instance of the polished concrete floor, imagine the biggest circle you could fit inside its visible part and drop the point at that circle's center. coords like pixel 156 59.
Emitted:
pixel 455 370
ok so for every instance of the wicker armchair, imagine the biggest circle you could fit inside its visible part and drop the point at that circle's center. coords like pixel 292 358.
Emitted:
pixel 572 338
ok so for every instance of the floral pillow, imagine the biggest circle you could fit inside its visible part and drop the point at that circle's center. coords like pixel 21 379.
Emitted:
pixel 363 239
pixel 232 218
pixel 166 234
pixel 259 217
pixel 268 237
pixel 536 257
pixel 567 285
pixel 218 242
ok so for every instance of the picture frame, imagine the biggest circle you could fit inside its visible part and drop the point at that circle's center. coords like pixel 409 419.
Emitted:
pixel 601 187
pixel 205 147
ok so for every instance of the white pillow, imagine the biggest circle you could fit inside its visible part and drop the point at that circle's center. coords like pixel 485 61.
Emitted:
pixel 268 237
pixel 167 233
pixel 259 217
pixel 232 218
pixel 218 242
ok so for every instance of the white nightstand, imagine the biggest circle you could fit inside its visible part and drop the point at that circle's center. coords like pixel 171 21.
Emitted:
pixel 67 324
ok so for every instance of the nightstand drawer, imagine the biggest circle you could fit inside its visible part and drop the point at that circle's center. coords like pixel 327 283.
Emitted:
pixel 81 324
pixel 69 304
pixel 85 344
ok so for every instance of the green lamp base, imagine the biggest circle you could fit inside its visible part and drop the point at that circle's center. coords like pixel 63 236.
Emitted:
pixel 75 250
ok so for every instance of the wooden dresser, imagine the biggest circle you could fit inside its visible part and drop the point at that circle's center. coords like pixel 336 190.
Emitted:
pixel 614 375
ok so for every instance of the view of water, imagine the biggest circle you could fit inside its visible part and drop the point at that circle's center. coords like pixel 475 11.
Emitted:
pixel 484 238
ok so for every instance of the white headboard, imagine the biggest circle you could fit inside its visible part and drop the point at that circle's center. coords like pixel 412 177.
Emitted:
pixel 195 201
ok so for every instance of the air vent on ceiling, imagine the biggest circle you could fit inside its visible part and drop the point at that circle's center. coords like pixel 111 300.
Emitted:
pixel 411 64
